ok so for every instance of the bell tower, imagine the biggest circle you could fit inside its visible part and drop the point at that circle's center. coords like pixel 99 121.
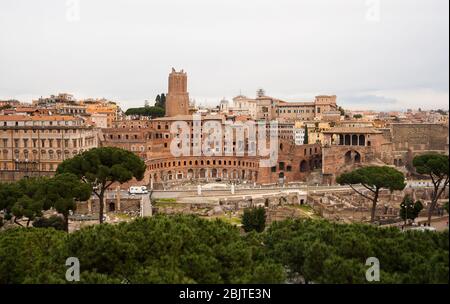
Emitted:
pixel 177 99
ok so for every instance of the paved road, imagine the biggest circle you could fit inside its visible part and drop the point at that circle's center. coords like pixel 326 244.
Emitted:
pixel 111 194
pixel 252 191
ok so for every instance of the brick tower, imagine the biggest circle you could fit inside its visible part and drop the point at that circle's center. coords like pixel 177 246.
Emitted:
pixel 177 100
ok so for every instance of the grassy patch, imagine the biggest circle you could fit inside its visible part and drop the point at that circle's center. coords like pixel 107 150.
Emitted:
pixel 307 211
pixel 123 216
pixel 234 220
pixel 166 200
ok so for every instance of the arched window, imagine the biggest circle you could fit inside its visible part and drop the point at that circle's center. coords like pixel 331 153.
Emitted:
pixel 303 166
pixel 347 140
pixel 362 140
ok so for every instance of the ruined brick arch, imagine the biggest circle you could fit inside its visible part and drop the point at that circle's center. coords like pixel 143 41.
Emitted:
pixel 398 162
pixel 352 156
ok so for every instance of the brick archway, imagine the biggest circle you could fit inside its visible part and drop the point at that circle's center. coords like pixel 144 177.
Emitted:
pixel 352 157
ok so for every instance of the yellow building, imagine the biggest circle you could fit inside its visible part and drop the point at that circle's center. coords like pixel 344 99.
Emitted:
pixel 110 109
pixel 315 130
pixel 36 145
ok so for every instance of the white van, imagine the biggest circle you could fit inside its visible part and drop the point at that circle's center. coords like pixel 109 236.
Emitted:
pixel 423 228
pixel 138 190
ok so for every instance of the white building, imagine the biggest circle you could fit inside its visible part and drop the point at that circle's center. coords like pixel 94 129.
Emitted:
pixel 299 136
pixel 100 120
pixel 244 106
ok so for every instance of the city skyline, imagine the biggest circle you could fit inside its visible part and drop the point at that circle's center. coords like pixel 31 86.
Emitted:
pixel 374 55
pixel 223 145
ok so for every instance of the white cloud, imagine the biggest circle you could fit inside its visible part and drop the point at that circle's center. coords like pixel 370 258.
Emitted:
pixel 293 49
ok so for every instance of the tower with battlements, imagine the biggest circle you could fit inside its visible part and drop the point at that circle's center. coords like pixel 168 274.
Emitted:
pixel 177 99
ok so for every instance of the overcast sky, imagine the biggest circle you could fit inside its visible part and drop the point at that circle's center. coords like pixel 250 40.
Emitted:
pixel 386 54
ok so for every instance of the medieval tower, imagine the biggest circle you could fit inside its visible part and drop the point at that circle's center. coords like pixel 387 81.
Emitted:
pixel 177 100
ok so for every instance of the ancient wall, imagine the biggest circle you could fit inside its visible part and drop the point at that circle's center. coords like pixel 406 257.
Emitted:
pixel 419 137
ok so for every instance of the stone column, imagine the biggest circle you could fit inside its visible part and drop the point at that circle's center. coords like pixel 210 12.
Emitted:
pixel 118 197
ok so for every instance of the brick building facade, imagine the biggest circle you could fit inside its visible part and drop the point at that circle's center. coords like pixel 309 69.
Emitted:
pixel 35 145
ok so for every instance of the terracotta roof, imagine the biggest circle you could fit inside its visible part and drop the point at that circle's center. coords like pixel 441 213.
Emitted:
pixel 35 118
pixel 352 130
pixel 296 104
pixel 189 117
pixel 24 109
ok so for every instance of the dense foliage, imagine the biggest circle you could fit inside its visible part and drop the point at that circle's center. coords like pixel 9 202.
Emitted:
pixel 160 101
pixel 146 111
pixel 53 221
pixel 436 167
pixel 325 252
pixel 158 110
pixel 180 249
pixel 373 178
pixel 101 167
pixel 187 249
pixel 254 219
pixel 306 138
pixel 410 210
pixel 29 197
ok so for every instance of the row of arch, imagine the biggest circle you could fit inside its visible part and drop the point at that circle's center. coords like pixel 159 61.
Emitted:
pixel 42 154
pixel 353 140
pixel 204 174
pixel 312 164
pixel 203 162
